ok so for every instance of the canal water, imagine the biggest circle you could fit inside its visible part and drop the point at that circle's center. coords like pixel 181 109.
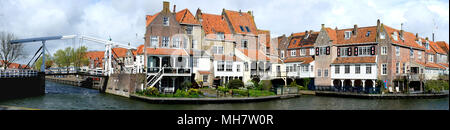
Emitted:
pixel 66 97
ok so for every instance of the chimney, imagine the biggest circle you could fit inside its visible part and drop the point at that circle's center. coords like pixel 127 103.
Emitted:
pixel 306 32
pixel 355 29
pixel 323 25
pixel 401 30
pixel 433 37
pixel 174 8
pixel 378 23
pixel 166 7
pixel 417 36
pixel 240 13
pixel 198 15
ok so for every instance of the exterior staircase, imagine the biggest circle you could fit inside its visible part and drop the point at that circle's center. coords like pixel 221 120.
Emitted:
pixel 155 79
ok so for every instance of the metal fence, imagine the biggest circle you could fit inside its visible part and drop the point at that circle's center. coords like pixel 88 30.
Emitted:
pixel 12 73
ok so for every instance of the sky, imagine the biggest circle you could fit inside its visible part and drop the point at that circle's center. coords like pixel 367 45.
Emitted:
pixel 124 20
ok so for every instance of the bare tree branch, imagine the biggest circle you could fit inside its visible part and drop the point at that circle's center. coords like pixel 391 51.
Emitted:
pixel 9 53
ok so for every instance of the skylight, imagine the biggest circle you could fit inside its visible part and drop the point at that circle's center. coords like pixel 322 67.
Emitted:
pixel 248 30
pixel 368 34
pixel 242 28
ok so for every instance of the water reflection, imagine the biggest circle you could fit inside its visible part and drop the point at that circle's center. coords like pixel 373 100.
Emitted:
pixel 65 97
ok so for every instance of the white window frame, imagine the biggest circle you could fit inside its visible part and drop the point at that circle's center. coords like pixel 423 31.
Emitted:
pixel 165 42
pixel 357 69
pixel 337 69
pixel 384 69
pixel 302 52
pixel 176 42
pixel 347 34
pixel 345 69
pixel 419 53
pixel 154 41
pixel 395 36
pixel 282 54
pixel 311 51
pixel 397 68
pixel 382 35
pixel 166 22
pixel 293 52
pixel 368 69
pixel 319 73
pixel 397 50
pixel 384 50
pixel 205 80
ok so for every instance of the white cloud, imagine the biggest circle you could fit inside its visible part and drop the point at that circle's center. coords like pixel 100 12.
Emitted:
pixel 123 19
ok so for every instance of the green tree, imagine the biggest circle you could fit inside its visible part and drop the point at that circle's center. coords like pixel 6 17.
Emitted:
pixel 235 84
pixel 79 56
pixel 48 62
pixel 306 81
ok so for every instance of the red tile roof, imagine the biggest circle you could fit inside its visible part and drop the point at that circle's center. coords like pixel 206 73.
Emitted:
pixel 444 64
pixel 304 60
pixel 226 58
pixel 443 45
pixel 214 23
pixel 97 57
pixel 185 17
pixel 150 19
pixel 298 40
pixel 433 65
pixel 120 52
pixel 241 19
pixel 254 54
pixel 360 37
pixel 351 60
pixel 267 33
pixel 162 51
pixel 332 34
pixel 436 48
pixel 204 72
pixel 14 65
pixel 409 38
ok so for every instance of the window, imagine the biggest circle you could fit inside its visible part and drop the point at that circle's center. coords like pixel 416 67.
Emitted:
pixel 368 69
pixel 362 51
pixel 166 21
pixel 382 35
pixel 189 29
pixel 267 50
pixel 325 73
pixel 404 68
pixel 395 36
pixel 348 34
pixel 229 65
pixel 242 28
pixel 295 68
pixel 384 69
pixel 311 51
pixel 220 36
pixel 295 41
pixel 217 50
pixel 305 68
pixel 427 45
pixel 220 66
pixel 337 69
pixel 322 50
pixel 248 30
pixel 419 54
pixel 194 44
pixel 195 62
pixel 411 53
pixel 430 58
pixel 293 52
pixel 246 66
pixel 368 34
pixel 244 44
pixel 238 68
pixel 397 51
pixel 287 68
pixel 282 54
pixel 397 67
pixel 205 78
pixel 165 42
pixel 154 41
pixel 347 69
pixel 312 68
pixel 383 50
pixel 176 43
pixel 302 52
pixel 357 69
pixel 319 73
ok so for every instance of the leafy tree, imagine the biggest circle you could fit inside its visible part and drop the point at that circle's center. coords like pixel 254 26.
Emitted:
pixel 306 81
pixel 63 58
pixel 78 56
pixel 48 62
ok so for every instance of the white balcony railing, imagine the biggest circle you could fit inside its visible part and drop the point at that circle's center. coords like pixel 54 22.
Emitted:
pixel 11 73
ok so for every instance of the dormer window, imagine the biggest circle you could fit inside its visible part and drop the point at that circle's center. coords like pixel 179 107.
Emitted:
pixel 427 45
pixel 382 36
pixel 348 34
pixel 166 21
pixel 220 36
pixel 307 36
pixel 395 36
pixel 242 28
pixel 419 42
pixel 368 34
pixel 295 41
pixel 248 30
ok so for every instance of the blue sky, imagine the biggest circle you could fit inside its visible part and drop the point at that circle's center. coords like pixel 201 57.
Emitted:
pixel 124 20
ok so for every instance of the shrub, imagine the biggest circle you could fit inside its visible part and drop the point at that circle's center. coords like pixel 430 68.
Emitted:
pixel 265 85
pixel 240 92
pixel 222 89
pixel 194 92
pixel 151 91
pixel 258 93
pixel 306 81
pixel 186 85
pixel 234 84
pixel 436 85
pixel 181 93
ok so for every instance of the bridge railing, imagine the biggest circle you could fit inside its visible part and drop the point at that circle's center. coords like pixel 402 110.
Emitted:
pixel 12 73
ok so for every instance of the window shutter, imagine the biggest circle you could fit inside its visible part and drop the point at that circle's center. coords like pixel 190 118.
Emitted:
pixel 349 51
pixel 372 49
pixel 317 51
pixel 328 50
pixel 338 52
pixel 356 51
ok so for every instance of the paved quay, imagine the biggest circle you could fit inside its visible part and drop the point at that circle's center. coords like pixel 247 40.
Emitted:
pixel 15 108
pixel 210 100
pixel 380 96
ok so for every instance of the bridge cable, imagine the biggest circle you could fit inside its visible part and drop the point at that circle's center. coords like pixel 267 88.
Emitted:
pixel 34 56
